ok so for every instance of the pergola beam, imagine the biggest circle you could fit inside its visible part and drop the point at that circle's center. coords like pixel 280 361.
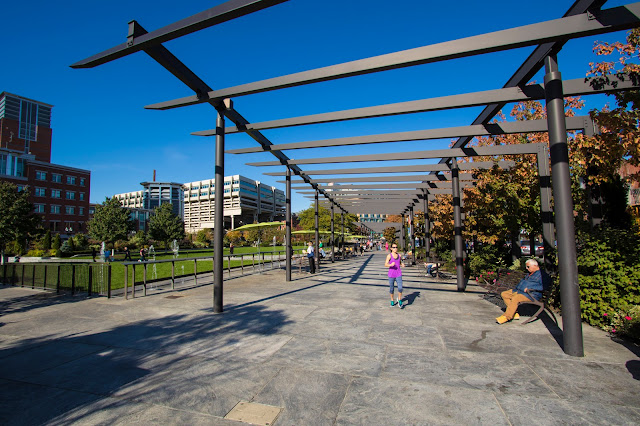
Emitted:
pixel 577 87
pixel 216 15
pixel 492 129
pixel 410 178
pixel 471 165
pixel 529 148
pixel 582 25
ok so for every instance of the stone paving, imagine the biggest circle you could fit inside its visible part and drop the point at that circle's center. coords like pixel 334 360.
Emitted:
pixel 323 349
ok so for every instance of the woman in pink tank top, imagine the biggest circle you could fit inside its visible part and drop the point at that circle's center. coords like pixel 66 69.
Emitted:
pixel 394 263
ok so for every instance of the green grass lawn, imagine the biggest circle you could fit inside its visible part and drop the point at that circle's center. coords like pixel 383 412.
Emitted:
pixel 185 268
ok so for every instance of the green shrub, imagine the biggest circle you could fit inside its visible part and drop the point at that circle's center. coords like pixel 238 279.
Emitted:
pixel 36 253
pixel 46 241
pixel 624 323
pixel 65 250
pixel 608 273
pixel 487 258
pixel 57 242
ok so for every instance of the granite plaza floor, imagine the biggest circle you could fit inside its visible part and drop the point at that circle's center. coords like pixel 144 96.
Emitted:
pixel 323 349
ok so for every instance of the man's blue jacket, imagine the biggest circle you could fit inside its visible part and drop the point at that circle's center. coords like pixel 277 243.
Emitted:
pixel 533 282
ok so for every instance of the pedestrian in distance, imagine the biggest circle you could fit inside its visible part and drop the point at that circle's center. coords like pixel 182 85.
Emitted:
pixel 230 248
pixel 127 254
pixel 310 257
pixel 93 253
pixel 395 265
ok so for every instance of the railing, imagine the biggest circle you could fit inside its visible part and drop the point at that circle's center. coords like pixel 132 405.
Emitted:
pixel 258 260
pixel 91 278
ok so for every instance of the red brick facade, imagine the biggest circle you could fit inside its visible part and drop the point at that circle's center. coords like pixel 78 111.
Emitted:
pixel 59 193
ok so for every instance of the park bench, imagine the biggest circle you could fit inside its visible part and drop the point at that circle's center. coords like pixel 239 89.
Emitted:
pixel 541 304
pixel 507 280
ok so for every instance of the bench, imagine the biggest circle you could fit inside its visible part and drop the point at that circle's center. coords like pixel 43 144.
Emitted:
pixel 541 304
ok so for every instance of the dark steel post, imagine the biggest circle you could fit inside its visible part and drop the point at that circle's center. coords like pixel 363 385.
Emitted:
pixel 90 283
pixel 126 282
pixel 109 281
pixel 218 230
pixel 173 275
pixel 548 231
pixel 567 259
pixel 333 238
pixel 73 279
pixel 58 280
pixel 412 232
pixel 24 266
pixel 33 277
pixel 288 247
pixel 317 224
pixel 457 224
pixel 342 238
pixel 44 283
pixel 402 234
pixel 427 224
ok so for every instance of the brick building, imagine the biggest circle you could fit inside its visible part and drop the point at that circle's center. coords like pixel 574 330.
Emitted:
pixel 59 193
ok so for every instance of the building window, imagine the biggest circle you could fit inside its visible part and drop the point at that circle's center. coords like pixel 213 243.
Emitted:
pixel 20 188
pixel 71 180
pixel 20 163
pixel 70 210
pixel 55 193
pixel 82 196
pixel 41 175
pixel 55 209
pixel 82 180
pixel 71 195
pixel 55 177
pixel 3 164
pixel 39 208
pixel 41 192
pixel 81 211
pixel 28 121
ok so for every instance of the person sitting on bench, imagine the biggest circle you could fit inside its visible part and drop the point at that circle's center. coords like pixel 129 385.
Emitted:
pixel 432 268
pixel 529 288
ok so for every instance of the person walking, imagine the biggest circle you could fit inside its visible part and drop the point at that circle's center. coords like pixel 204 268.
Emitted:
pixel 386 246
pixel 127 255
pixel 394 263
pixel 310 256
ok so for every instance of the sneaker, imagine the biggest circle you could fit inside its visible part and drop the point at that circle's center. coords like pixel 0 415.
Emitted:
pixel 400 304
pixel 393 303
pixel 501 319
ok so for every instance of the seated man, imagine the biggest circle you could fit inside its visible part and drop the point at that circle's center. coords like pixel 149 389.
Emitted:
pixel 534 282
pixel 431 268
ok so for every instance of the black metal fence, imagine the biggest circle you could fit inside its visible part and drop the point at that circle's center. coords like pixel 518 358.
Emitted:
pixel 91 278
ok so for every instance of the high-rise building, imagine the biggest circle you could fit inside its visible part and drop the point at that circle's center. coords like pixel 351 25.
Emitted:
pixel 59 193
pixel 245 201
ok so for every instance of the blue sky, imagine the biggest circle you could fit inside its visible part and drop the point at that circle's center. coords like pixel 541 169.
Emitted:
pixel 99 122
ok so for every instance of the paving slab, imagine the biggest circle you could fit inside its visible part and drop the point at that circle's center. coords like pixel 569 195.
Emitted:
pixel 324 348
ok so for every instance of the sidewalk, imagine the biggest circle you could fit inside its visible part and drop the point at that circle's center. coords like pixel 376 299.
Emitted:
pixel 323 349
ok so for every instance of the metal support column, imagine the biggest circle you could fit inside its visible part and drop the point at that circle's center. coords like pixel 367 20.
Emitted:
pixel 548 231
pixel 218 221
pixel 567 259
pixel 333 239
pixel 317 243
pixel 288 248
pixel 427 223
pixel 342 237
pixel 457 224
pixel 412 233
pixel 402 234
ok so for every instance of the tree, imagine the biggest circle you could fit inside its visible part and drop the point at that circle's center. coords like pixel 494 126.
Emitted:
pixel 18 220
pixel 203 237
pixel 307 220
pixel 110 222
pixel 165 225
pixel 389 234
pixel 46 241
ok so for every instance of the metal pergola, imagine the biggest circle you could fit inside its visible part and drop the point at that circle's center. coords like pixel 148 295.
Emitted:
pixel 584 18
